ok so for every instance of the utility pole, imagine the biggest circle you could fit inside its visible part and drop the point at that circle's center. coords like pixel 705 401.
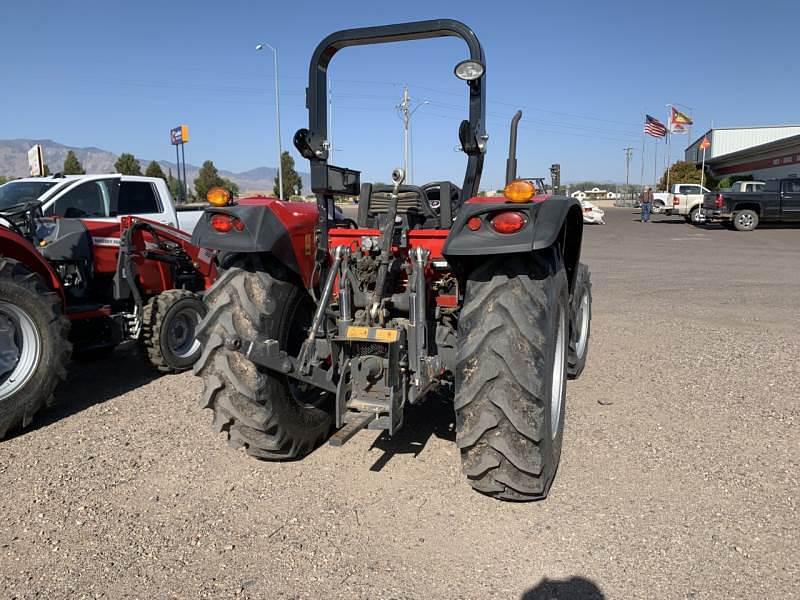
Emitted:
pixel 405 111
pixel 628 155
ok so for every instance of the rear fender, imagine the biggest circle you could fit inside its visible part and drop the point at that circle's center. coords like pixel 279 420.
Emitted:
pixel 557 220
pixel 287 237
pixel 17 247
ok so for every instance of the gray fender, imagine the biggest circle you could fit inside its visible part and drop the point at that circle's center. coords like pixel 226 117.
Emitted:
pixel 263 233
pixel 545 222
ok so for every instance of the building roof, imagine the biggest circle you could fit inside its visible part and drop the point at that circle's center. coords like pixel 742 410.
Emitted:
pixel 777 145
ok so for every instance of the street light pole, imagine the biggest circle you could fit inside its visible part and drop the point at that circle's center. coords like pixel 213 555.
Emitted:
pixel 277 115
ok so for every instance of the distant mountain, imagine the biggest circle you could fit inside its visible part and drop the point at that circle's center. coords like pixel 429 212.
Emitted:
pixel 14 163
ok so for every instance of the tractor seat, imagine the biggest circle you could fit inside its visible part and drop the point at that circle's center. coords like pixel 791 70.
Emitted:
pixel 412 206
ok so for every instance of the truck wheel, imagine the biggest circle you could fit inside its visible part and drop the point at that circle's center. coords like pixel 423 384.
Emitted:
pixel 169 326
pixel 694 216
pixel 745 220
pixel 265 413
pixel 580 322
pixel 511 375
pixel 34 348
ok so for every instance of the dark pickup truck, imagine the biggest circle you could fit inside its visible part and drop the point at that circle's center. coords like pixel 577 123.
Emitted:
pixel 777 202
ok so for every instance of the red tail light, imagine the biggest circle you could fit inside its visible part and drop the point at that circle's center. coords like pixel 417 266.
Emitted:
pixel 225 223
pixel 675 201
pixel 719 201
pixel 509 221
pixel 474 223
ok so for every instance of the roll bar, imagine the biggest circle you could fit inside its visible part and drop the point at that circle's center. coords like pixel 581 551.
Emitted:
pixel 313 142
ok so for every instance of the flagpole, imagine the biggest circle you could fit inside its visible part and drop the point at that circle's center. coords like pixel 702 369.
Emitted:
pixel 641 175
pixel 703 168
pixel 655 165
pixel 669 142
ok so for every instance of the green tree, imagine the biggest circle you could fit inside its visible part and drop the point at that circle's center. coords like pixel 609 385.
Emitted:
pixel 232 187
pixel 727 182
pixel 72 166
pixel 208 177
pixel 128 165
pixel 154 170
pixel 292 183
pixel 685 171
pixel 174 186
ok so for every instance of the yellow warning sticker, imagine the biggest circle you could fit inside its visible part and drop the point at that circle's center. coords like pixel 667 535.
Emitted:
pixel 359 333
pixel 373 333
pixel 386 335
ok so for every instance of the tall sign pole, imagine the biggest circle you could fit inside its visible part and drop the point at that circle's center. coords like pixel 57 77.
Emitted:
pixel 178 136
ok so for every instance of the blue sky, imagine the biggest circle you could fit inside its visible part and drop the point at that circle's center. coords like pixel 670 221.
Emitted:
pixel 119 75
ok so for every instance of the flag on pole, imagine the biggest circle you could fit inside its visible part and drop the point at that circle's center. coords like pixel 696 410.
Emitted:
pixel 654 127
pixel 705 144
pixel 678 121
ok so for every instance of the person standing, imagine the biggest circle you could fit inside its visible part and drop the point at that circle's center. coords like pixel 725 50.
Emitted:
pixel 647 204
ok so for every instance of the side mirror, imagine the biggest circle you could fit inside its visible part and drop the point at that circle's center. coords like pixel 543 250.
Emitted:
pixel 302 141
pixel 469 143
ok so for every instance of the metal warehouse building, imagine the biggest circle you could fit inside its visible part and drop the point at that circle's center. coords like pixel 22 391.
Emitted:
pixel 763 152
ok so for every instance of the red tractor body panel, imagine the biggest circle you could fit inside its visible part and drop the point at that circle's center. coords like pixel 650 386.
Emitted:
pixel 299 219
pixel 155 276
pixel 431 239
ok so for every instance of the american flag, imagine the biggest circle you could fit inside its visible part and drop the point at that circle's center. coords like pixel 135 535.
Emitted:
pixel 654 127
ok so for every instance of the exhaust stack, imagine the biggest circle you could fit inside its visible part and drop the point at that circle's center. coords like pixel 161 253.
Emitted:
pixel 511 163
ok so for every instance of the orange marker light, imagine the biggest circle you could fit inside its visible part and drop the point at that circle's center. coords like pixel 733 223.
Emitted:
pixel 519 191
pixel 218 196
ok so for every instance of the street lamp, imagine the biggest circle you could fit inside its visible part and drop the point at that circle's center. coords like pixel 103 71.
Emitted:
pixel 277 115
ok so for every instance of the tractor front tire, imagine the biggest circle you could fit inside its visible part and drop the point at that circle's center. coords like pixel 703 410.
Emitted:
pixel 511 375
pixel 33 342
pixel 581 322
pixel 169 326
pixel 270 416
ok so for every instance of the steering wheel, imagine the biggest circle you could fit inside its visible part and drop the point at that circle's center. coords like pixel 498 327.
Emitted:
pixel 433 194
pixel 22 214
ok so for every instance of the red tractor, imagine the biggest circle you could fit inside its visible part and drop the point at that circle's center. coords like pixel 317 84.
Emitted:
pixel 83 286
pixel 313 328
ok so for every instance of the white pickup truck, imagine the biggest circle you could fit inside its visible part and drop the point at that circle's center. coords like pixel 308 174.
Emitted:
pixel 101 197
pixel 683 199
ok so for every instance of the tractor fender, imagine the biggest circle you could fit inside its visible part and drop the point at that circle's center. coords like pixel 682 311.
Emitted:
pixel 284 233
pixel 17 247
pixel 552 220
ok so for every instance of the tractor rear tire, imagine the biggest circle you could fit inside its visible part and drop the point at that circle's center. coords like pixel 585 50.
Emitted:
pixel 580 322
pixel 169 326
pixel 34 341
pixel 511 375
pixel 265 413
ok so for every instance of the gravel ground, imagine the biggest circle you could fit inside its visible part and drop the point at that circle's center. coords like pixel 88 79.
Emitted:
pixel 678 477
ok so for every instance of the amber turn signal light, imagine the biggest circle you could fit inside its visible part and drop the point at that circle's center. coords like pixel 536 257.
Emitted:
pixel 519 190
pixel 218 196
